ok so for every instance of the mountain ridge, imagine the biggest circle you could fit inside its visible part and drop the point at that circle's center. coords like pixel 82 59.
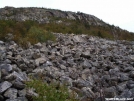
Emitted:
pixel 83 23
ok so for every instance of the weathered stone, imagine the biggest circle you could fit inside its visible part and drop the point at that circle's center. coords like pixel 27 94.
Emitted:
pixel 86 64
pixel 110 92
pixel 88 92
pixel 38 46
pixel 124 77
pixel 40 61
pixel 18 84
pixel 11 93
pixel 18 99
pixel 22 93
pixel 126 94
pixel 49 63
pixel 120 87
pixel 4 86
pixel 63 67
pixel 6 67
pixel 132 91
pixel 86 54
pixel 131 74
pixel 20 76
pixel 36 55
pixel 31 93
pixel 130 84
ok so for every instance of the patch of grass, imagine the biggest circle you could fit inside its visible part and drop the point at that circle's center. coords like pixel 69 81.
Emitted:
pixel 37 34
pixel 50 92
pixel 34 32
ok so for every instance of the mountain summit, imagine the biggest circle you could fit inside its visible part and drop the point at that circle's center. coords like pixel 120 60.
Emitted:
pixel 65 22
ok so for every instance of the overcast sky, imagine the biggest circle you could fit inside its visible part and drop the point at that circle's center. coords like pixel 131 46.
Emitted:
pixel 117 12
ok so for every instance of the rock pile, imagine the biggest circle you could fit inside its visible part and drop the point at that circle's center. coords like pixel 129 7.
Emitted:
pixel 94 68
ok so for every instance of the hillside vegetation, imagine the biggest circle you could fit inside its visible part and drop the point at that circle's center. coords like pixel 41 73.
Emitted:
pixel 37 24
pixel 34 32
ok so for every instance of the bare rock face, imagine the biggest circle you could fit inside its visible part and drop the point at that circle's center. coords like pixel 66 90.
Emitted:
pixel 42 15
pixel 92 67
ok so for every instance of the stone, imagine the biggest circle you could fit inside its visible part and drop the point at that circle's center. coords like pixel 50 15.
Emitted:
pixel 120 87
pixel 6 67
pixel 11 93
pixel 18 99
pixel 49 63
pixel 130 84
pixel 110 92
pixel 4 86
pixel 86 54
pixel 126 94
pixel 132 57
pixel 86 64
pixel 38 46
pixel 132 91
pixel 40 61
pixel 18 84
pixel 1 42
pixel 22 93
pixel 66 80
pixel 62 67
pixel 36 55
pixel 88 92
pixel 15 75
pixel 22 99
pixel 131 74
pixel 31 93
pixel 78 39
pixel 124 77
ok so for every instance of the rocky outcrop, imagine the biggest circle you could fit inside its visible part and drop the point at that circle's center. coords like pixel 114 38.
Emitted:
pixel 43 15
pixel 94 68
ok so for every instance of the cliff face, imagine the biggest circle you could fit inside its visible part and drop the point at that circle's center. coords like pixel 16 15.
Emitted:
pixel 43 15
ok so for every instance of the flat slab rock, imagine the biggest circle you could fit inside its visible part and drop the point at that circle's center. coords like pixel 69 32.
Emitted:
pixel 4 86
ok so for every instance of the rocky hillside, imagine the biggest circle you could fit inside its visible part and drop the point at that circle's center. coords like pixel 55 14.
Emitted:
pixel 65 22
pixel 93 67
pixel 43 15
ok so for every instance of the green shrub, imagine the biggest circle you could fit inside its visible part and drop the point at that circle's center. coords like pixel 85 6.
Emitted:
pixel 36 34
pixel 50 92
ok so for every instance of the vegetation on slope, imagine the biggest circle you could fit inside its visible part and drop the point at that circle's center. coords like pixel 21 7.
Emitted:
pixel 50 92
pixel 35 32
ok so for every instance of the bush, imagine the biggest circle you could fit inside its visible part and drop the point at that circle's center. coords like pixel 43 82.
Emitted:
pixel 36 34
pixel 49 92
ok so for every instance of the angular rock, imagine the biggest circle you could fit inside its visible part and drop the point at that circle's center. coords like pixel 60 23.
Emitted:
pixel 86 54
pixel 20 76
pixel 126 94
pixel 18 84
pixel 36 55
pixel 11 93
pixel 40 61
pixel 38 46
pixel 4 86
pixel 86 64
pixel 110 92
pixel 22 93
pixel 88 92
pixel 6 67
pixel 131 74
